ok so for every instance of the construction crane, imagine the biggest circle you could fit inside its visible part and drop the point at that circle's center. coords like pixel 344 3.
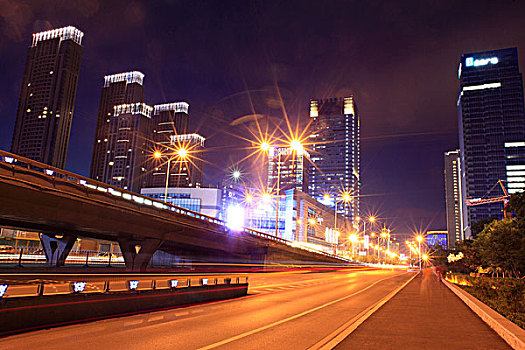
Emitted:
pixel 484 200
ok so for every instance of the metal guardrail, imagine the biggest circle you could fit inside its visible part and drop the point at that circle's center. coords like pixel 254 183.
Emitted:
pixel 84 286
pixel 86 258
pixel 17 162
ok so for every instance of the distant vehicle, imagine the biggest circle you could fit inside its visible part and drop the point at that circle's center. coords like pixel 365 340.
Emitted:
pixel 7 249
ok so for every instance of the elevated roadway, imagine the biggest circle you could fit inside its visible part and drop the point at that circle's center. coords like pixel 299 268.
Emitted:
pixel 64 206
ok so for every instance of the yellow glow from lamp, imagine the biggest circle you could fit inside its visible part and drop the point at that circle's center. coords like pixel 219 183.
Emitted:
pixel 182 152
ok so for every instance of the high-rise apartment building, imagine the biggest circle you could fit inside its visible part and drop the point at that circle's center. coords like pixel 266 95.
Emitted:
pixel 118 89
pixel 290 166
pixel 47 99
pixel 457 227
pixel 186 162
pixel 335 153
pixel 129 146
pixel 491 126
pixel 170 119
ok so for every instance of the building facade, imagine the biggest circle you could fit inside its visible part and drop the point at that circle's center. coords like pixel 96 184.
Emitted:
pixel 301 218
pixel 491 126
pixel 129 146
pixel 118 89
pixel 335 153
pixel 435 238
pixel 206 201
pixel 170 123
pixel 47 99
pixel 457 226
pixel 290 166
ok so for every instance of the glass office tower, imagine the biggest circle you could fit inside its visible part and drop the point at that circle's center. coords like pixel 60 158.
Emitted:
pixel 335 153
pixel 491 126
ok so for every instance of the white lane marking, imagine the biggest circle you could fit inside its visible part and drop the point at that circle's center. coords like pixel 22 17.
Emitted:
pixel 257 330
pixel 337 336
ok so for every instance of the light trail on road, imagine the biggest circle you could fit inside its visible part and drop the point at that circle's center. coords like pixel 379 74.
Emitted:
pixel 296 310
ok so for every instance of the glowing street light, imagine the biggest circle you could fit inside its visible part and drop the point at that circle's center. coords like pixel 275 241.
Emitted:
pixel 419 238
pixel 236 174
pixel 181 153
pixel 345 199
pixel 265 146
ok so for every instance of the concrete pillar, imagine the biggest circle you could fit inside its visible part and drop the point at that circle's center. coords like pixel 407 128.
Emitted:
pixel 137 254
pixel 57 249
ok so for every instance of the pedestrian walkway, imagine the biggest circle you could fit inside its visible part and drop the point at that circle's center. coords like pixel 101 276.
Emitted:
pixel 424 315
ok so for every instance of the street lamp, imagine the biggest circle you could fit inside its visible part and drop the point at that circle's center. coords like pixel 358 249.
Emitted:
pixel 296 146
pixel 236 175
pixel 419 239
pixel 346 197
pixel 353 238
pixel 180 153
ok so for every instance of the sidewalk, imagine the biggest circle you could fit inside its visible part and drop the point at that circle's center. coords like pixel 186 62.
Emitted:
pixel 424 315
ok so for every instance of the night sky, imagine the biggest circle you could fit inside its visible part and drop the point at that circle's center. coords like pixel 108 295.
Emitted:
pixel 399 60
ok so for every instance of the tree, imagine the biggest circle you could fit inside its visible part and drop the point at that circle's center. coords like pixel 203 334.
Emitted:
pixel 477 227
pixel 502 245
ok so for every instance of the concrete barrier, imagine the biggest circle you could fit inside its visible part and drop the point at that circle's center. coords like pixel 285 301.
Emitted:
pixel 30 313
pixel 510 332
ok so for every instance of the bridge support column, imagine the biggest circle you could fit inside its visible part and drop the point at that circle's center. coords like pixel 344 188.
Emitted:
pixel 137 254
pixel 57 249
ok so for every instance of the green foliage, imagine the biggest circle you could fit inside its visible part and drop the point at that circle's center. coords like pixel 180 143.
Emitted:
pixel 502 245
pixel 477 227
pixel 505 295
pixel 517 205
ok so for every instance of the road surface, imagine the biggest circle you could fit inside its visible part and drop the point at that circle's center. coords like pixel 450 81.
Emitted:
pixel 296 310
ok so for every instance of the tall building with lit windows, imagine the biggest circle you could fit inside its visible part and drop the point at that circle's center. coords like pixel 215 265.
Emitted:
pixel 118 89
pixel 186 168
pixel 290 166
pixel 170 119
pixel 335 153
pixel 491 126
pixel 47 98
pixel 457 226
pixel 129 146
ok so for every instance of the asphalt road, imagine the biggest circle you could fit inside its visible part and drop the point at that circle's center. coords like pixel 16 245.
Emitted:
pixel 296 310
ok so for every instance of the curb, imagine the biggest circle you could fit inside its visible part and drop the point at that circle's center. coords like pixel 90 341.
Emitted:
pixel 510 332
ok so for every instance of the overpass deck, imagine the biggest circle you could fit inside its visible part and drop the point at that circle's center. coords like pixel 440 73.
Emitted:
pixel 35 196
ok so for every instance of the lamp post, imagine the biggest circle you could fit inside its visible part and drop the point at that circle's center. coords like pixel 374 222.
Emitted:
pixel 344 199
pixel 296 146
pixel 182 153
pixel 409 252
pixel 419 239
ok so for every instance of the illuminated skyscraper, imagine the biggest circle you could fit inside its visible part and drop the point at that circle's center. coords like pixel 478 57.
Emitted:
pixel 335 153
pixel 128 147
pixel 170 119
pixel 118 89
pixel 290 166
pixel 187 161
pixel 47 99
pixel 457 225
pixel 491 126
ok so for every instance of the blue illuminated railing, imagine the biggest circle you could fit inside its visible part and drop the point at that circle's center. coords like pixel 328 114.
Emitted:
pixel 86 285
pixel 18 163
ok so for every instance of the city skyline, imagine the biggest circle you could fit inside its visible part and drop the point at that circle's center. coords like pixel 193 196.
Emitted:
pixel 379 132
